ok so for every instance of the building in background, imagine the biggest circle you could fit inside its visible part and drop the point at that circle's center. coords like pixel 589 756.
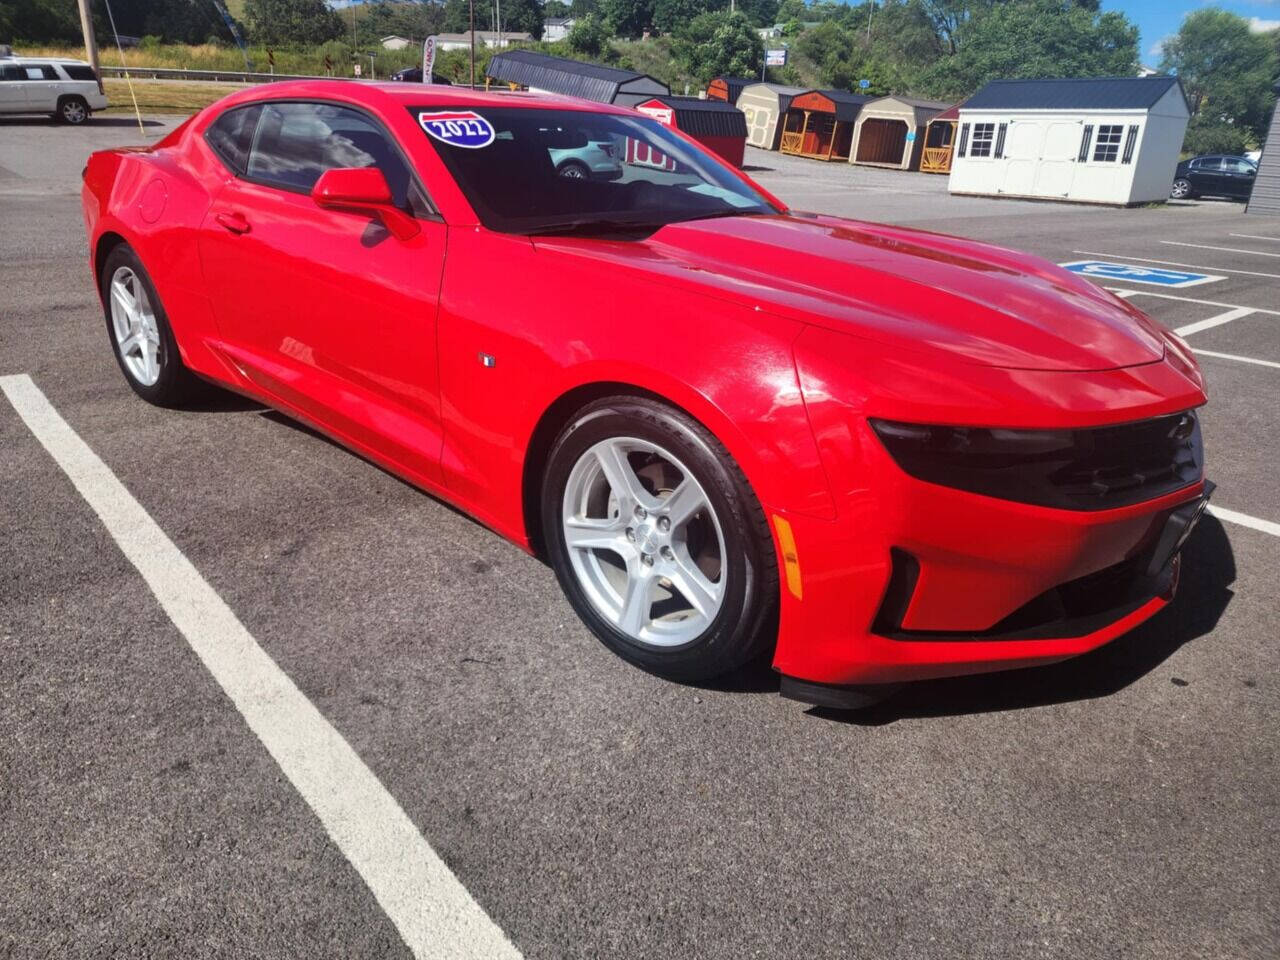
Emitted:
pixel 484 38
pixel 727 88
pixel 890 132
pixel 717 125
pixel 764 105
pixel 1266 185
pixel 557 28
pixel 573 78
pixel 819 124
pixel 395 42
pixel 1112 140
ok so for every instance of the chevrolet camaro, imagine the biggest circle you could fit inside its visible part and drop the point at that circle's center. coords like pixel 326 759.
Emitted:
pixel 734 430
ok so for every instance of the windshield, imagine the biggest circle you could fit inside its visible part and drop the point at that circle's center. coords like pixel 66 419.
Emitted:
pixel 530 170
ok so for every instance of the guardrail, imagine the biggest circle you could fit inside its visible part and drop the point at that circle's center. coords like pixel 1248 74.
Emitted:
pixel 221 76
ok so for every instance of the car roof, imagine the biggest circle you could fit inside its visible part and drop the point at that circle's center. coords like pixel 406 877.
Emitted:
pixel 62 60
pixel 411 95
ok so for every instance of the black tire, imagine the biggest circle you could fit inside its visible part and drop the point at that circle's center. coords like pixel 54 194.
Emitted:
pixel 1182 189
pixel 73 110
pixel 574 170
pixel 746 624
pixel 176 385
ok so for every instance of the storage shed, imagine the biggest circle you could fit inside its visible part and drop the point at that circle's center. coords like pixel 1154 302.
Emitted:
pixel 1112 140
pixel 764 105
pixel 940 141
pixel 1266 185
pixel 727 88
pixel 819 124
pixel 717 125
pixel 890 132
pixel 572 78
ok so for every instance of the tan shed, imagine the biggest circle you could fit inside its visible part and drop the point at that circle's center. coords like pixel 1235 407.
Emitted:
pixel 890 132
pixel 764 105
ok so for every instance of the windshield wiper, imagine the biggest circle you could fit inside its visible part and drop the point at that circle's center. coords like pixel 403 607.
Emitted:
pixel 595 226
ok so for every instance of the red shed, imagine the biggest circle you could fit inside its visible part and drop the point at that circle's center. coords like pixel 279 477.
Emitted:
pixel 717 125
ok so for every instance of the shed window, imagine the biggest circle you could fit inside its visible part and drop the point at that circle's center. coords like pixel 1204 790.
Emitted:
pixel 1129 143
pixel 984 135
pixel 1107 149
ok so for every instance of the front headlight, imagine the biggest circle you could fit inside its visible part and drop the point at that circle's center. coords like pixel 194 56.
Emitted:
pixel 1091 469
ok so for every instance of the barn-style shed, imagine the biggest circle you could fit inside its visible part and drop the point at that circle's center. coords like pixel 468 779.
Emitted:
pixel 727 88
pixel 764 105
pixel 890 132
pixel 717 125
pixel 819 124
pixel 940 141
pixel 1112 140
pixel 573 78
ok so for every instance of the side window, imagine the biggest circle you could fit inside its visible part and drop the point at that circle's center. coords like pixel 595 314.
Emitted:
pixel 41 71
pixel 296 142
pixel 11 72
pixel 1107 147
pixel 78 71
pixel 230 136
pixel 1236 165
pixel 983 136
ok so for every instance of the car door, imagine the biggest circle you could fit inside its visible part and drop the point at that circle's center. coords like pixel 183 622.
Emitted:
pixel 1237 177
pixel 42 87
pixel 13 92
pixel 325 309
pixel 1208 177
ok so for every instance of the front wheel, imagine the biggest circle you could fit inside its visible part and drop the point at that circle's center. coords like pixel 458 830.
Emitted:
pixel 73 110
pixel 1181 189
pixel 657 540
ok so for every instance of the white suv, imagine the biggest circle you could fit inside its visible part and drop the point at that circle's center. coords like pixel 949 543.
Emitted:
pixel 67 90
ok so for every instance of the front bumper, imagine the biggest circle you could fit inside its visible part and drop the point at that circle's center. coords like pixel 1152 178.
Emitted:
pixel 928 581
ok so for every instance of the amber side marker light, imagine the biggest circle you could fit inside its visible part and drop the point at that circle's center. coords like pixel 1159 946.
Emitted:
pixel 790 561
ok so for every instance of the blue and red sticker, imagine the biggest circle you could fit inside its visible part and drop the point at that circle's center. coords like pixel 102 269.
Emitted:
pixel 458 128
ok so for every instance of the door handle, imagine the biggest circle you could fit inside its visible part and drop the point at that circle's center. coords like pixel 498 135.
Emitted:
pixel 235 222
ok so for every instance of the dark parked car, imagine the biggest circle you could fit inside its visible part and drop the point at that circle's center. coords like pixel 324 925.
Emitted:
pixel 414 75
pixel 1214 176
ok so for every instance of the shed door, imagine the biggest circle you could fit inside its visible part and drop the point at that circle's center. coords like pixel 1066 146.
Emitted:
pixel 1022 153
pixel 1058 159
pixel 758 124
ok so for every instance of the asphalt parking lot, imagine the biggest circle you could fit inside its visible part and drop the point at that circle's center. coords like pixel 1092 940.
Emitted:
pixel 1124 804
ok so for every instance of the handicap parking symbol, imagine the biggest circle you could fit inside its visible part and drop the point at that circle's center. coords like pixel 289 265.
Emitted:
pixel 1129 273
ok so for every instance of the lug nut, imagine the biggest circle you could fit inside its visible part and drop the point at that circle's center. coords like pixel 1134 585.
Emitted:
pixel 667 554
pixel 664 523
pixel 646 559
pixel 641 513
pixel 631 534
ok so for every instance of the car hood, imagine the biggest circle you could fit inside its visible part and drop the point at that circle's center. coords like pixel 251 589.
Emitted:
pixel 906 288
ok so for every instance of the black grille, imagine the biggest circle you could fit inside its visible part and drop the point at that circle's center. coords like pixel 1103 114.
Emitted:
pixel 1133 462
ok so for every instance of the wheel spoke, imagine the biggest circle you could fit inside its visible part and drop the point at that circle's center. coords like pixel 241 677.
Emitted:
pixel 150 363
pixel 582 533
pixel 122 301
pixel 684 502
pixel 622 479
pixel 132 342
pixel 636 602
pixel 701 593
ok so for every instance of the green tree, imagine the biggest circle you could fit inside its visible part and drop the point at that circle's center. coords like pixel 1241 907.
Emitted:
pixel 762 13
pixel 38 21
pixel 1226 70
pixel 301 22
pixel 1035 38
pixel 626 18
pixel 553 9
pixel 670 15
pixel 588 37
pixel 517 16
pixel 722 43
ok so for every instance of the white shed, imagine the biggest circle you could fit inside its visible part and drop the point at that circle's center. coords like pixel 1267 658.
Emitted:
pixel 1112 140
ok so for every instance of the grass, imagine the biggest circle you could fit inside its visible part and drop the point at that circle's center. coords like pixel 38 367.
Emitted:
pixel 166 96
pixel 209 56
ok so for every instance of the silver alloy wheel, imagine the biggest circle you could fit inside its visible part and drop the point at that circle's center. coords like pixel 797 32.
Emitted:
pixel 73 111
pixel 573 172
pixel 1181 189
pixel 133 322
pixel 644 541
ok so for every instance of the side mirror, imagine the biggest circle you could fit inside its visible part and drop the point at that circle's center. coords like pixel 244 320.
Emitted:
pixel 364 189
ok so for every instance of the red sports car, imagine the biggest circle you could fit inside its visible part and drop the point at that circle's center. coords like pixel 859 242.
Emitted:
pixel 879 454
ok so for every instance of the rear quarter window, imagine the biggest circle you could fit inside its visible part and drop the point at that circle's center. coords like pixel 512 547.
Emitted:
pixel 78 71
pixel 231 134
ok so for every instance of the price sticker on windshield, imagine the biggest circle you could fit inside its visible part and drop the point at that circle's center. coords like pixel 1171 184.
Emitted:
pixel 458 128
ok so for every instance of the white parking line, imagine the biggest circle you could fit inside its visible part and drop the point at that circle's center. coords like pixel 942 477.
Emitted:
pixel 1123 292
pixel 1244 520
pixel 1174 263
pixel 433 911
pixel 1253 236
pixel 1205 246
pixel 1217 321
pixel 1232 356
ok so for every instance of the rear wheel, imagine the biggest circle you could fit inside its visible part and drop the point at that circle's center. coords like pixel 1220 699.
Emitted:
pixel 1181 189
pixel 73 110
pixel 657 540
pixel 140 335
pixel 573 170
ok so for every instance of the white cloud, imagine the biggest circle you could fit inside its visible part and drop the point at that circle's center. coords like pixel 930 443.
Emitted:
pixel 1258 25
pixel 1157 48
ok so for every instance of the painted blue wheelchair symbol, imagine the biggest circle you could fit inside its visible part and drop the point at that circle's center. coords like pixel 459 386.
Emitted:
pixel 1129 273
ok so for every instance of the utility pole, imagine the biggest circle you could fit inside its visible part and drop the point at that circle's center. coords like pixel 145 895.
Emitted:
pixel 90 41
pixel 472 6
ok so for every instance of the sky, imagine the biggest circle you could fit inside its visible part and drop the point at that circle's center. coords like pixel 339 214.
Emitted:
pixel 1158 19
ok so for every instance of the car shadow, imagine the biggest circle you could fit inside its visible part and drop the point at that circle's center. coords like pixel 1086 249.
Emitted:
pixel 39 121
pixel 1208 570
pixel 752 168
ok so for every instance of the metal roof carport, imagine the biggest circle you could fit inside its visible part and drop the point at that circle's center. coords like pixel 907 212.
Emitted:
pixel 890 132
pixel 764 105
pixel 717 125
pixel 573 78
